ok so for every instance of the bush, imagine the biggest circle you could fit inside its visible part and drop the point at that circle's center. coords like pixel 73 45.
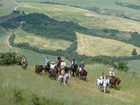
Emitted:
pixel 9 58
pixel 122 65
pixel 134 52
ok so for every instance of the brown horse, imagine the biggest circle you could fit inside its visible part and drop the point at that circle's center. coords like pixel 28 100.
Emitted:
pixel 74 69
pixel 40 68
pixel 53 73
pixel 114 81
pixel 24 65
pixel 83 74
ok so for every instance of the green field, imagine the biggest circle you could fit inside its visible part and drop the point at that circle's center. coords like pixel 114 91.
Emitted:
pixel 93 46
pixel 83 17
pixel 7 6
pixel 134 65
pixel 40 42
pixel 78 92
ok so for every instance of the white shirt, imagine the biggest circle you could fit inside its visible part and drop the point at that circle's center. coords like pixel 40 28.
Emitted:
pixel 111 73
pixel 102 77
pixel 52 66
pixel 63 64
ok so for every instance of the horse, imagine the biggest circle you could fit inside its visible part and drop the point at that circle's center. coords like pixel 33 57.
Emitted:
pixel 83 74
pixel 39 68
pixel 63 78
pixel 24 65
pixel 114 81
pixel 102 84
pixel 74 69
pixel 53 73
pixel 47 68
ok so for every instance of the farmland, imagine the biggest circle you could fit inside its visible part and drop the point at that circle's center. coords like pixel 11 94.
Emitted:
pixel 92 46
pixel 40 42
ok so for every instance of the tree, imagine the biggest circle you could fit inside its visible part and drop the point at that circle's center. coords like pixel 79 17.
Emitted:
pixel 134 52
pixel 122 65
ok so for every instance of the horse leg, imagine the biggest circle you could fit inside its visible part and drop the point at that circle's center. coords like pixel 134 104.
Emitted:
pixel 104 89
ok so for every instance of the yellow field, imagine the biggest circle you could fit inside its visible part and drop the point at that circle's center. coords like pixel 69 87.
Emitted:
pixel 92 46
pixel 40 42
pixel 83 17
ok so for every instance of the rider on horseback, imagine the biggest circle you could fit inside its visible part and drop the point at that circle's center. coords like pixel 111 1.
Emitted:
pixel 81 66
pixel 59 61
pixel 47 61
pixel 73 63
pixel 111 74
pixel 102 78
pixel 52 66
pixel 23 60
pixel 63 64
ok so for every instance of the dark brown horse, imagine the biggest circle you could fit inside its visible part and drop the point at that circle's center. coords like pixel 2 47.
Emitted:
pixel 74 69
pixel 114 81
pixel 53 73
pixel 24 65
pixel 83 74
pixel 40 68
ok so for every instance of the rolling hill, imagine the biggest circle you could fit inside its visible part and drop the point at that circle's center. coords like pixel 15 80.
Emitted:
pixel 82 29
pixel 84 17
pixel 93 46
pixel 7 6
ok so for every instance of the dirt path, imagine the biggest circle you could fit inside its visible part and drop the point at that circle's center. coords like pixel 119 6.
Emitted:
pixel 8 38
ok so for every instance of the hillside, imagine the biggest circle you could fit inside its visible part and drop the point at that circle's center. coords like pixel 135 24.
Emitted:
pixel 97 32
pixel 92 46
pixel 84 17
pixel 78 92
pixel 120 8
pixel 40 42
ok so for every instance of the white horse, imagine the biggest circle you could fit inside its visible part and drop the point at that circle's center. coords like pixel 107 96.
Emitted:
pixel 64 79
pixel 102 84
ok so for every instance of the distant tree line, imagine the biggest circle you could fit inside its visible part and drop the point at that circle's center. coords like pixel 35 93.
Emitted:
pixel 133 6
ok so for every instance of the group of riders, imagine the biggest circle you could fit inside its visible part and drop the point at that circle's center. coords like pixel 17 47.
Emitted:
pixel 62 64
pixel 108 78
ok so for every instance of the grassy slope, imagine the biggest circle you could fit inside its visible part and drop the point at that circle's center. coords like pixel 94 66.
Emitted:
pixel 40 42
pixel 83 17
pixel 7 7
pixel 78 92
pixel 90 45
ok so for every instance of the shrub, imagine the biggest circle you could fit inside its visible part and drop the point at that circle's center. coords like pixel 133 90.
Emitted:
pixel 134 52
pixel 122 65
pixel 9 58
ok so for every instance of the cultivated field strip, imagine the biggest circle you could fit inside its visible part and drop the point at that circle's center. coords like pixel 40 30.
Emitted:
pixel 93 46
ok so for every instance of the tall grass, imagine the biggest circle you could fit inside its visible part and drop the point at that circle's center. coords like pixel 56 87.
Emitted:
pixel 77 92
